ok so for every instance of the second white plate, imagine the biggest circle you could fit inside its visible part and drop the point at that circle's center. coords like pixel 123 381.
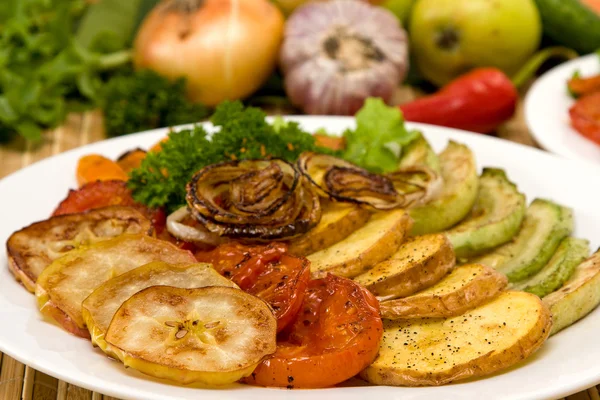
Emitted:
pixel 547 111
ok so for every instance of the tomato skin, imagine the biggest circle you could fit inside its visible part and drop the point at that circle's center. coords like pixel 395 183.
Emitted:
pixel 336 335
pixel 585 116
pixel 265 271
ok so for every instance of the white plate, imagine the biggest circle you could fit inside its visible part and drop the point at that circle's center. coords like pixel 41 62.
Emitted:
pixel 567 363
pixel 547 111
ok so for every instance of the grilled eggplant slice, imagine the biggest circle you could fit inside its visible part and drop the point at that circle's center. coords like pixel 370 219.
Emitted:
pixel 99 307
pixel 545 225
pixel 437 351
pixel 495 218
pixel 212 335
pixel 570 253
pixel 463 289
pixel 338 221
pixel 378 239
pixel 578 296
pixel 420 262
pixel 69 280
pixel 459 172
pixel 34 247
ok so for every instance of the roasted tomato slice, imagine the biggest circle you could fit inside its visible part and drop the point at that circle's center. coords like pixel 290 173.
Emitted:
pixel 585 116
pixel 336 335
pixel 265 271
pixel 107 193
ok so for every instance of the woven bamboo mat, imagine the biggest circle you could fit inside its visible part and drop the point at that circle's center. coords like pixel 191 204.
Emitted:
pixel 18 381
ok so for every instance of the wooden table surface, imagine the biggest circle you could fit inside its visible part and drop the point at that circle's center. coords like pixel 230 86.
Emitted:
pixel 18 381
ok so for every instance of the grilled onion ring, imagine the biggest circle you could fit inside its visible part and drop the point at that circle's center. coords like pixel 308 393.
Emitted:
pixel 346 182
pixel 259 200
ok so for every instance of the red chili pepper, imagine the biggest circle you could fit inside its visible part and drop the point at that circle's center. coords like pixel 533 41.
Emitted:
pixel 478 101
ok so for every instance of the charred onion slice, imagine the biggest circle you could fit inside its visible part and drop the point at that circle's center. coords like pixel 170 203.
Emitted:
pixel 196 234
pixel 253 199
pixel 344 181
pixel 418 183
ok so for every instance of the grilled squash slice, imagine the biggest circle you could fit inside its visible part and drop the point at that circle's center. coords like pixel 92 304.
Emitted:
pixel 212 335
pixel 482 341
pixel 459 172
pixel 338 221
pixel 578 296
pixel 65 284
pixel 378 239
pixel 33 248
pixel 420 262
pixel 99 307
pixel 463 289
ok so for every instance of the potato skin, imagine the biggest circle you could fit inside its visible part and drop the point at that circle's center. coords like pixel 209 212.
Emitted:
pixel 419 275
pixel 338 221
pixel 352 256
pixel 490 361
pixel 485 286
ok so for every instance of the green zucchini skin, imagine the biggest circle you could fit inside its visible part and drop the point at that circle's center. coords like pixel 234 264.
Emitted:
pixel 570 253
pixel 459 172
pixel 495 219
pixel 545 225
pixel 570 23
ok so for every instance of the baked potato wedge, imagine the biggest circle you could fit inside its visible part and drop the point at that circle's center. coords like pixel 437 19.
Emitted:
pixel 378 239
pixel 31 249
pixel 484 340
pixel 99 307
pixel 463 289
pixel 578 296
pixel 213 335
pixel 420 262
pixel 338 221
pixel 64 285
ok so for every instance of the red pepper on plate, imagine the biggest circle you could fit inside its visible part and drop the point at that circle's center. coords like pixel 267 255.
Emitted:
pixel 480 100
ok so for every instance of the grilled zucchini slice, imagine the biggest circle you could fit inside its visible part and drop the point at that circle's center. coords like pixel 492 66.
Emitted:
pixel 69 280
pixel 578 296
pixel 377 240
pixel 99 307
pixel 570 253
pixel 545 225
pixel 495 219
pixel 459 173
pixel 437 351
pixel 213 335
pixel 34 247
pixel 420 262
pixel 463 289
pixel 419 153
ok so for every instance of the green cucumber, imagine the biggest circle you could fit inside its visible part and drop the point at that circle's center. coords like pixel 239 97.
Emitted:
pixel 459 173
pixel 570 253
pixel 545 225
pixel 495 218
pixel 419 152
pixel 571 23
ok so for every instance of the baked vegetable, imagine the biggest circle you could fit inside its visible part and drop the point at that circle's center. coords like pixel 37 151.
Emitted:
pixel 338 221
pixel 495 218
pixel 419 153
pixel 490 338
pixel 212 335
pixel 459 173
pixel 377 240
pixel 545 225
pixel 570 253
pixel 420 262
pixel 31 249
pixel 463 289
pixel 101 305
pixel 69 280
pixel 578 296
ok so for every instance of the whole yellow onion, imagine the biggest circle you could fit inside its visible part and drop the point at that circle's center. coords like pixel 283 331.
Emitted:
pixel 225 49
